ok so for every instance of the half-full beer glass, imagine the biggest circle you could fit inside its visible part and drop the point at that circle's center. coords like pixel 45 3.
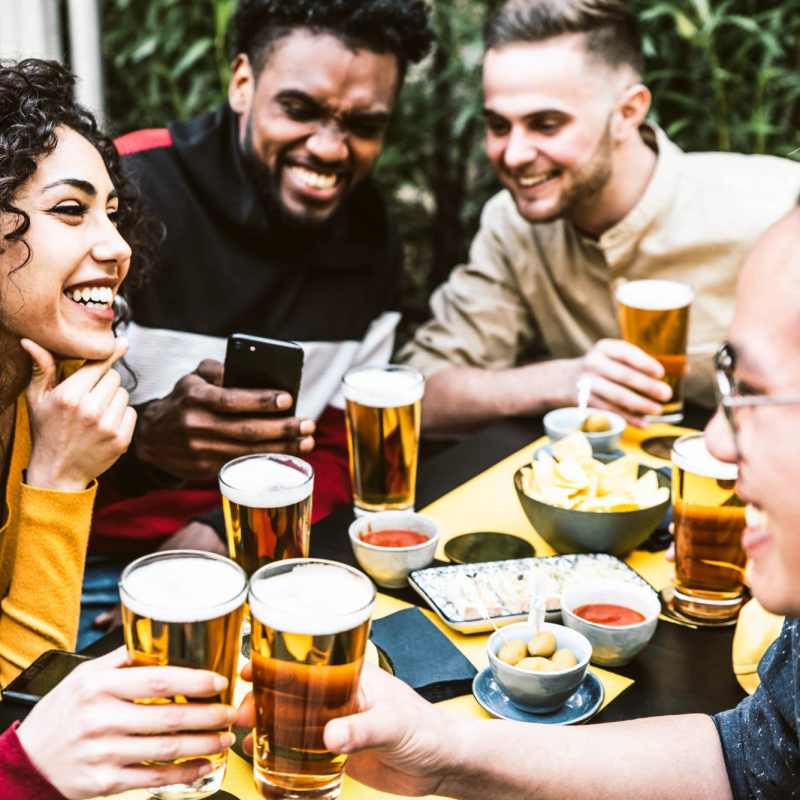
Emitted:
pixel 384 411
pixel 709 521
pixel 266 499
pixel 654 315
pixel 184 608
pixel 310 623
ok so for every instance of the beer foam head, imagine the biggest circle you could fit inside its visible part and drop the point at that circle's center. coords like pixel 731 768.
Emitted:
pixel 691 455
pixel 266 481
pixel 184 588
pixel 316 599
pixel 655 295
pixel 379 387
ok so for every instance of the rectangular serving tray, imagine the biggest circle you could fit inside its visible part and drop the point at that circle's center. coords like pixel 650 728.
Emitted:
pixel 499 587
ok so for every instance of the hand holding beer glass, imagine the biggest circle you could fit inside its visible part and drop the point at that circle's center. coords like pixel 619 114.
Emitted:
pixel 654 316
pixel 184 608
pixel 709 522
pixel 310 623
pixel 384 413
pixel 266 499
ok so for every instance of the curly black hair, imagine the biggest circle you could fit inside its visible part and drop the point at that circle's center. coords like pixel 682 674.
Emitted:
pixel 399 27
pixel 36 98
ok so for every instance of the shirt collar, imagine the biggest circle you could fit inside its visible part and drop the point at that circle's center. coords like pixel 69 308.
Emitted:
pixel 621 238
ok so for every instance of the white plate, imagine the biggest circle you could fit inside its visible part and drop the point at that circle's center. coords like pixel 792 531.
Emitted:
pixel 456 592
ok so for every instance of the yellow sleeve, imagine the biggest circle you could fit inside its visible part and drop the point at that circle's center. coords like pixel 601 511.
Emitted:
pixel 42 607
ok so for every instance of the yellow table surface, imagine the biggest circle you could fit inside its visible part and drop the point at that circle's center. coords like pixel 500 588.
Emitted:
pixel 486 502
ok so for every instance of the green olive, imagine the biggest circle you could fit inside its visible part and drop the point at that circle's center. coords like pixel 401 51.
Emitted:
pixel 535 664
pixel 543 644
pixel 596 423
pixel 513 651
pixel 563 659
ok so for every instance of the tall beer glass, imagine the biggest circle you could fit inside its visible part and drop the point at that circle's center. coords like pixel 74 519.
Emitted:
pixel 266 499
pixel 184 608
pixel 310 625
pixel 384 412
pixel 709 521
pixel 654 315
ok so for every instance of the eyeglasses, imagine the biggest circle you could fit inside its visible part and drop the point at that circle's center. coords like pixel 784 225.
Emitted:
pixel 730 392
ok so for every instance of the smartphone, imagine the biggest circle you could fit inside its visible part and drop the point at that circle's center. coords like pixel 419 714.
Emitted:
pixel 32 684
pixel 252 362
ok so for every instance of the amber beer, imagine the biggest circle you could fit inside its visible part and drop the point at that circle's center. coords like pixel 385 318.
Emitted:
pixel 654 315
pixel 709 521
pixel 384 411
pixel 310 623
pixel 266 499
pixel 184 608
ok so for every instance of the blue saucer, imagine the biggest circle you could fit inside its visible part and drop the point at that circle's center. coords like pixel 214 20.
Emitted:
pixel 579 707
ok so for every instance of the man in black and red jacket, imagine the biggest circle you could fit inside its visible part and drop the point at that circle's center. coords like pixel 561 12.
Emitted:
pixel 273 228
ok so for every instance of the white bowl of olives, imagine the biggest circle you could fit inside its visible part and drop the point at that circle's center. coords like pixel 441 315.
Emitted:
pixel 602 428
pixel 538 672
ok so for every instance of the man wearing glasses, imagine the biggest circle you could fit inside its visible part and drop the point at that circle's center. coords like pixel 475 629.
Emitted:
pixel 404 745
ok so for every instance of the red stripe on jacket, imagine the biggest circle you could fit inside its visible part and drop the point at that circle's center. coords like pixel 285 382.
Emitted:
pixel 145 139
pixel 140 524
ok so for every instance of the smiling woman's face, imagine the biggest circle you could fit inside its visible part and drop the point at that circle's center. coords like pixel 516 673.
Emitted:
pixel 62 296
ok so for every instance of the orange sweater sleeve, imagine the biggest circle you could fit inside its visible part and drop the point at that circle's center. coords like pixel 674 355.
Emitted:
pixel 42 553
pixel 42 607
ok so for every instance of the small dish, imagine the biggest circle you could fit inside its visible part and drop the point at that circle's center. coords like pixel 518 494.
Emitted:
pixel 582 705
pixel 612 645
pixel 389 566
pixel 477 548
pixel 539 692
pixel 563 421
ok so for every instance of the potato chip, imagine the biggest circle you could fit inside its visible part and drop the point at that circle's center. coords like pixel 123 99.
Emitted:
pixel 568 479
pixel 575 447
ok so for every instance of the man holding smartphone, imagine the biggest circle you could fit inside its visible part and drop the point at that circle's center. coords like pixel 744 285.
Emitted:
pixel 273 229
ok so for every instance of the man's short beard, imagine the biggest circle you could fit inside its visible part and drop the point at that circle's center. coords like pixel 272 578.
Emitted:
pixel 591 182
pixel 266 184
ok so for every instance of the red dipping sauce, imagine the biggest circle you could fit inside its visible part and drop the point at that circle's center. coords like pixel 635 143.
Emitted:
pixel 393 538
pixel 608 614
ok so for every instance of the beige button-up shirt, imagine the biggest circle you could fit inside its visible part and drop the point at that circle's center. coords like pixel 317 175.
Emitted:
pixel 546 290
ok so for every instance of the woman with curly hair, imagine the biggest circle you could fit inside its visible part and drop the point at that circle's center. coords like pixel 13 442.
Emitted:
pixel 66 217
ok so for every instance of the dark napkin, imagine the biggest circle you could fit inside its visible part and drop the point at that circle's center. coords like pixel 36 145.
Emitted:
pixel 422 656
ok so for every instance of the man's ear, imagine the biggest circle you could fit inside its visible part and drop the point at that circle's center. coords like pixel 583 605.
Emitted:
pixel 242 85
pixel 631 111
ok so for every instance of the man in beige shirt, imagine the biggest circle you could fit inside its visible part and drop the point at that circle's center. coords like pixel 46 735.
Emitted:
pixel 593 195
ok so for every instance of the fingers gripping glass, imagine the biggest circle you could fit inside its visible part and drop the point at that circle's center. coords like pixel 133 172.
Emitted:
pixel 732 395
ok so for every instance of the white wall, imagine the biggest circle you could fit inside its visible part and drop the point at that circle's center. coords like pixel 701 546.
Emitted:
pixel 32 28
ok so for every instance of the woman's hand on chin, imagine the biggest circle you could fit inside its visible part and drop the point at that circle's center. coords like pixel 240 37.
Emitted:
pixel 79 427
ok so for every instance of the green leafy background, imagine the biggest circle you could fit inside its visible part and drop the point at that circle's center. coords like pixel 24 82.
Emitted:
pixel 725 76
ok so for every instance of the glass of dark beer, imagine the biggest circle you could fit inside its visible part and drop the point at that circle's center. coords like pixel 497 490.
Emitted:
pixel 384 412
pixel 310 623
pixel 709 522
pixel 266 499
pixel 184 608
pixel 654 315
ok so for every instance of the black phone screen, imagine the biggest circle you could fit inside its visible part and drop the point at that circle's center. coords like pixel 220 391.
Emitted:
pixel 43 675
pixel 252 362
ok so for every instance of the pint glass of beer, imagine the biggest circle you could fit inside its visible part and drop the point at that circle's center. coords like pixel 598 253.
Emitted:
pixel 654 315
pixel 310 623
pixel 709 521
pixel 266 499
pixel 184 608
pixel 384 411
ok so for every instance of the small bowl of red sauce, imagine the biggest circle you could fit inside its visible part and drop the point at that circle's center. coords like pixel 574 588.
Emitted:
pixel 619 619
pixel 390 544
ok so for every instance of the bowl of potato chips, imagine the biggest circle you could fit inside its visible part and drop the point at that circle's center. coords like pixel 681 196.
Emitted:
pixel 584 503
